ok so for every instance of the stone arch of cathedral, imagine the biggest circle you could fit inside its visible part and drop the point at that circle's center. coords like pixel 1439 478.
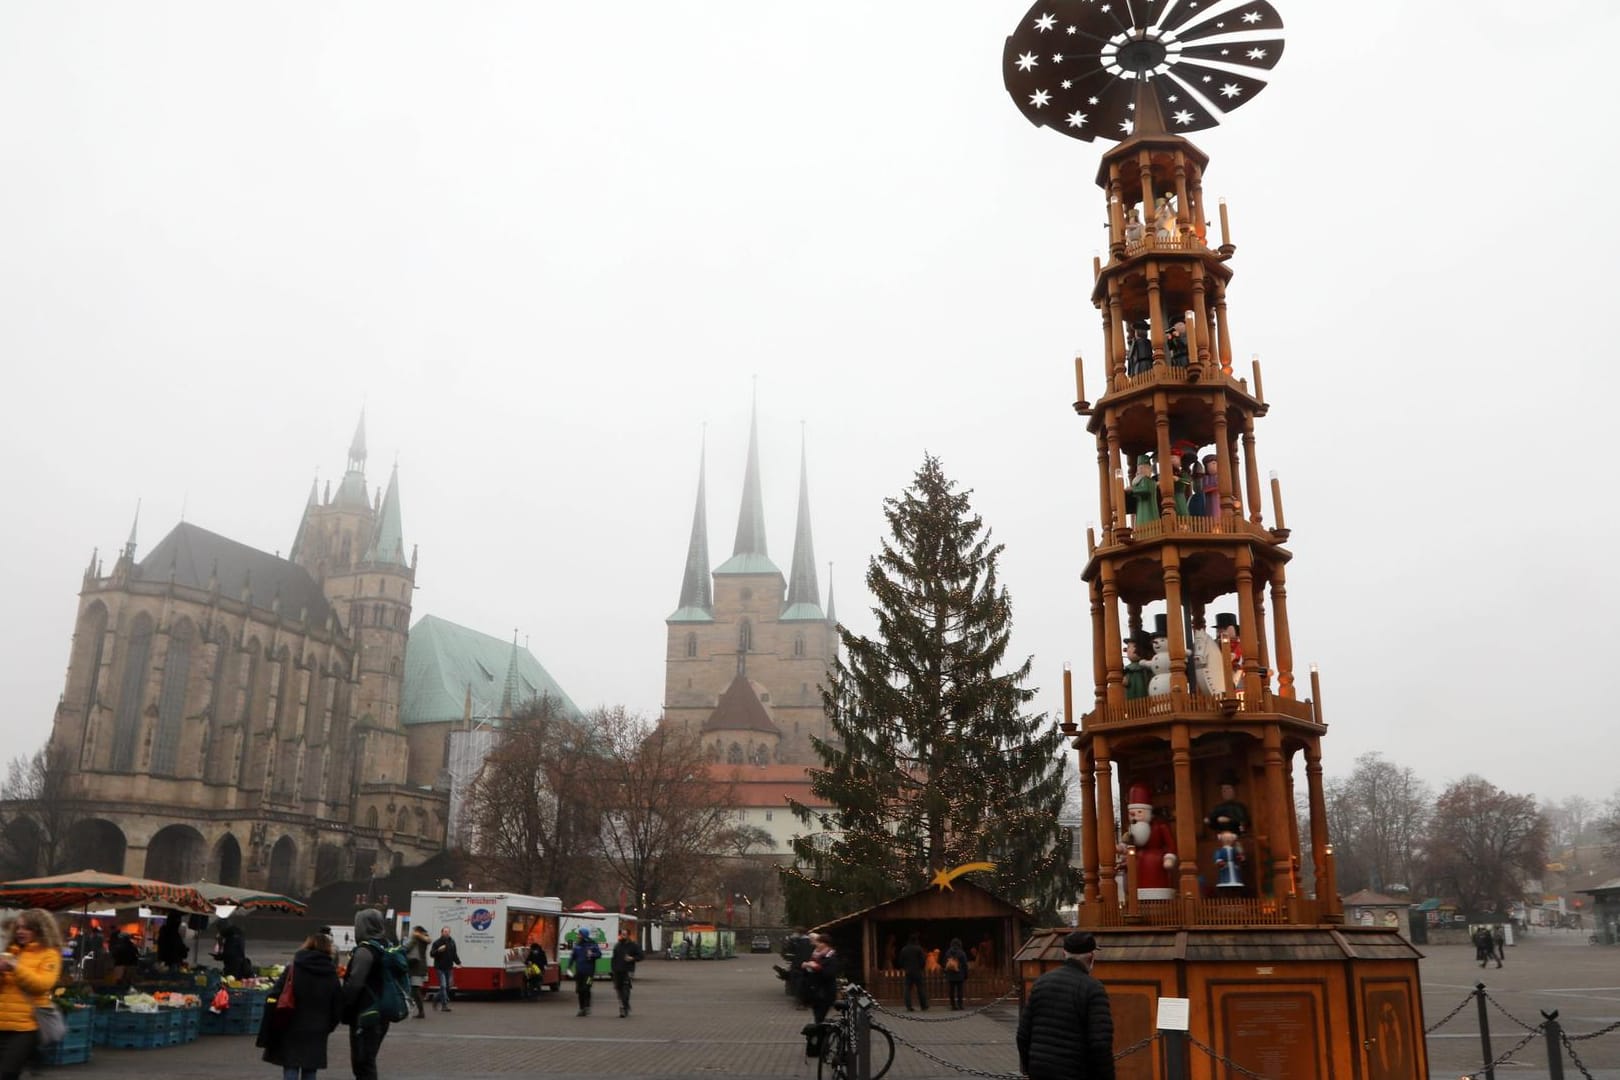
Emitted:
pixel 177 853
pixel 225 864
pixel 283 867
pixel 96 844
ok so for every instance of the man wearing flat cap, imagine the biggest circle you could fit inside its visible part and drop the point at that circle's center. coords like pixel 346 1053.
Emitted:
pixel 1066 1031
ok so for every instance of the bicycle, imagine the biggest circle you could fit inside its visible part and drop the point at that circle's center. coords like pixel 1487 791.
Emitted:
pixel 837 1060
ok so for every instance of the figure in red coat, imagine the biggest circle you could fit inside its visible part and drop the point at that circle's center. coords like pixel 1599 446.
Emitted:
pixel 1155 847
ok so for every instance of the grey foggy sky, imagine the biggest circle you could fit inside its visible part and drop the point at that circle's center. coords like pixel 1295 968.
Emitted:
pixel 542 244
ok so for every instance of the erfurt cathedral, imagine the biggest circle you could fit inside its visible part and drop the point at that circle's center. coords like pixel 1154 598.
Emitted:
pixel 238 716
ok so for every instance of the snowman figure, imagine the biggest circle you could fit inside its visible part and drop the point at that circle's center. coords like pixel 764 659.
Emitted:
pixel 1159 685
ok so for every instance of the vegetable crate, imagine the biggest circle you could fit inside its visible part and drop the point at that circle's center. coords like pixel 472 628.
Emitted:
pixel 74 1049
pixel 242 1018
pixel 131 1030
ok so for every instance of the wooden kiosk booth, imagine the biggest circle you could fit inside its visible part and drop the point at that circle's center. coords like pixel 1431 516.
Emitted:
pixel 991 930
pixel 1189 748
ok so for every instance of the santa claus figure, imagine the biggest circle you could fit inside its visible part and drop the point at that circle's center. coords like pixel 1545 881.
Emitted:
pixel 1155 847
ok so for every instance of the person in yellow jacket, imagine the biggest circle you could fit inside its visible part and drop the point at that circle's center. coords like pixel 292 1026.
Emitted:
pixel 29 969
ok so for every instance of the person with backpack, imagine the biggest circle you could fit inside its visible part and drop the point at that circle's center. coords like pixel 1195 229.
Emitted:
pixel 623 967
pixel 363 990
pixel 445 960
pixel 956 971
pixel 584 957
pixel 308 1006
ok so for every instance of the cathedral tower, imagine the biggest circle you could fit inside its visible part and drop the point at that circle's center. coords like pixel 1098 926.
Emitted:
pixel 747 649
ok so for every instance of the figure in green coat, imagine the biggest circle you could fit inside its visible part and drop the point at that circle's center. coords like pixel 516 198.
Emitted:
pixel 1137 673
pixel 1145 491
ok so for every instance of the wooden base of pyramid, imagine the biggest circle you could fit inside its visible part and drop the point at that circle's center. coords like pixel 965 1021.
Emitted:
pixel 1284 1002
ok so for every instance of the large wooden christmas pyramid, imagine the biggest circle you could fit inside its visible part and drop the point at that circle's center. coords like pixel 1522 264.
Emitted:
pixel 1192 848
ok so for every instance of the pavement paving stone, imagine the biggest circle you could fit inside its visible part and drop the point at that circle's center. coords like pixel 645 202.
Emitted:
pixel 696 1020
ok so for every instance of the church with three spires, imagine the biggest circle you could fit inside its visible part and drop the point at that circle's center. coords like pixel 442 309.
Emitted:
pixel 748 650
pixel 234 715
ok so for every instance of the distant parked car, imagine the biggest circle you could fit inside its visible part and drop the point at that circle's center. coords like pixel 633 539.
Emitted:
pixel 761 943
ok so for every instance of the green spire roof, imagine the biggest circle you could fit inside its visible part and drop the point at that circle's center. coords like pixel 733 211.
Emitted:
pixel 748 554
pixel 445 664
pixel 388 542
pixel 832 612
pixel 804 593
pixel 697 590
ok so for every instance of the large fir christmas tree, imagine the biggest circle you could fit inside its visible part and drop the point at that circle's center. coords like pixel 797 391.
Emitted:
pixel 933 763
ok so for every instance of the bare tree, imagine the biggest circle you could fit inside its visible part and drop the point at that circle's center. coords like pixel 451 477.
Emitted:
pixel 532 809
pixel 1376 818
pixel 1609 827
pixel 36 813
pixel 664 815
pixel 1485 845
pixel 1571 823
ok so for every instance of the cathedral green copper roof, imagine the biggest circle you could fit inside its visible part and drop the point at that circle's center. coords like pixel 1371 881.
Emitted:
pixel 442 660
pixel 748 563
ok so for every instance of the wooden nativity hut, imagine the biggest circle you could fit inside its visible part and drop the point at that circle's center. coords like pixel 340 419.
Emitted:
pixel 991 931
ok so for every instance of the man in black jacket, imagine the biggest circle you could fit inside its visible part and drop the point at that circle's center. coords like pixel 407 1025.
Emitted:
pixel 623 967
pixel 445 959
pixel 1066 1031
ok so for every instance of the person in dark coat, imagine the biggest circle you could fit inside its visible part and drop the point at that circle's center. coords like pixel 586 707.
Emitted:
pixel 1066 1028
pixel 125 957
pixel 233 953
pixel 297 1041
pixel 362 989
pixel 623 967
pixel 956 971
pixel 416 957
pixel 171 941
pixel 913 963
pixel 445 961
pixel 582 962
pixel 820 989
pixel 796 950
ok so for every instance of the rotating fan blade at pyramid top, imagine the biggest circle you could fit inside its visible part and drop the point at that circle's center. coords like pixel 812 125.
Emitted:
pixel 1087 68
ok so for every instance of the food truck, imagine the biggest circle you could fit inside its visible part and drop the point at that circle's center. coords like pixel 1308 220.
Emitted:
pixel 604 927
pixel 492 932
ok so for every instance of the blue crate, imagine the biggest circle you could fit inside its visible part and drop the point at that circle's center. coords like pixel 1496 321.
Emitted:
pixel 143 1040
pixel 67 1052
pixel 100 1027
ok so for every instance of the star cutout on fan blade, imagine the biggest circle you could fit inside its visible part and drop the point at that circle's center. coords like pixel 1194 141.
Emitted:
pixel 1231 90
pixel 1076 119
pixel 1039 98
pixel 1257 54
pixel 1184 117
pixel 1045 23
pixel 1027 61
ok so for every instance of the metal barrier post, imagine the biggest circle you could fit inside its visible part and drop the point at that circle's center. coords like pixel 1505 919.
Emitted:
pixel 1555 1044
pixel 862 1050
pixel 1484 1030
pixel 1175 1054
